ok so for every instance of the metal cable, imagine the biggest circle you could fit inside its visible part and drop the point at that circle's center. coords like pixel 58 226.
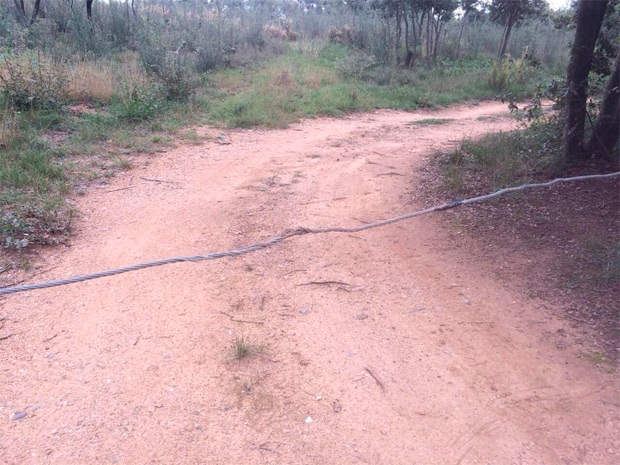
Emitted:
pixel 290 233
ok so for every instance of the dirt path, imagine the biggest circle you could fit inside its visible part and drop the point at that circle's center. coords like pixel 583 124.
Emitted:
pixel 418 357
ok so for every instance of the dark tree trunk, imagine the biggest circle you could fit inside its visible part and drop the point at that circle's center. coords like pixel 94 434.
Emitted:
pixel 35 11
pixel 607 126
pixel 407 50
pixel 589 18
pixel 20 10
pixel 414 30
pixel 89 9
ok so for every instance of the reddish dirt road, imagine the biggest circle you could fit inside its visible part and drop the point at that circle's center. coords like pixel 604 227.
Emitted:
pixel 418 356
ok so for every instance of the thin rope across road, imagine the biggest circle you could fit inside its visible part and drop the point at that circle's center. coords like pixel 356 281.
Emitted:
pixel 291 233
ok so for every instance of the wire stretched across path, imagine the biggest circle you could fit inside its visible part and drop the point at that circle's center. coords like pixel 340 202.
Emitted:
pixel 290 233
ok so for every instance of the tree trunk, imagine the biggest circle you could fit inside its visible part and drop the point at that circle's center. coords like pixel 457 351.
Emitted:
pixel 399 34
pixel 20 10
pixel 407 50
pixel 607 126
pixel 458 46
pixel 415 31
pixel 35 11
pixel 89 9
pixel 429 38
pixel 589 20
pixel 438 29
pixel 509 24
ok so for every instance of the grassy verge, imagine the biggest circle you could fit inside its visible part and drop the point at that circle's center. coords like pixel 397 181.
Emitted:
pixel 503 159
pixel 295 85
pixel 92 116
pixel 561 243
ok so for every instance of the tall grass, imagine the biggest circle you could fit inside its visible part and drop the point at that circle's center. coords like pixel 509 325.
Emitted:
pixel 100 81
pixel 296 85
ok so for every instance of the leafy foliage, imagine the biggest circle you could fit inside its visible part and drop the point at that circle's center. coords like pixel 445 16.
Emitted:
pixel 32 81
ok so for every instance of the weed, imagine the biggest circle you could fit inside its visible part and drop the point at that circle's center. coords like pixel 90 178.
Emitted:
pixel 191 137
pixel 140 105
pixel 430 121
pixel 600 359
pixel 241 347
pixel 123 164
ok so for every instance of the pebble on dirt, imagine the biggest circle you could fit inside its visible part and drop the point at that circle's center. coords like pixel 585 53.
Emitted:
pixel 19 415
pixel 303 310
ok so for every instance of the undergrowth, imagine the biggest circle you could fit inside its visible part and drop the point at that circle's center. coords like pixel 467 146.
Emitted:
pixel 64 123
pixel 534 151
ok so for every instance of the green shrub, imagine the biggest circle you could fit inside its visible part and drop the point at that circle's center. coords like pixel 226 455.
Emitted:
pixel 508 72
pixel 32 81
pixel 357 65
pixel 140 105
pixel 171 69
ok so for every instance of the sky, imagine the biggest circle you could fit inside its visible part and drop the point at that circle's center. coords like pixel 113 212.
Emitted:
pixel 556 4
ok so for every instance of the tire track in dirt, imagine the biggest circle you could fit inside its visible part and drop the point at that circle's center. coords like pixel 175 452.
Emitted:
pixel 141 369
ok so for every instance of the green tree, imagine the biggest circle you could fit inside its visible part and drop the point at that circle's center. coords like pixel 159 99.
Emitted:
pixel 512 12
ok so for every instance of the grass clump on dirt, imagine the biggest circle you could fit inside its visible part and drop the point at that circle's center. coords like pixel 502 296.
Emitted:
pixel 430 121
pixel 244 348
pixel 241 347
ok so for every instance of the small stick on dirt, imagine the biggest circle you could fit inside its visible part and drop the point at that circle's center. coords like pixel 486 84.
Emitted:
pixel 34 274
pixel 119 189
pixel 323 201
pixel 376 378
pixel 2 338
pixel 137 340
pixel 391 173
pixel 295 271
pixel 50 338
pixel 323 283
pixel 232 318
pixel 159 181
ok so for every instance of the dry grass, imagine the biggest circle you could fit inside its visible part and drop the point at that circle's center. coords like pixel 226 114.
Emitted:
pixel 101 81
pixel 8 127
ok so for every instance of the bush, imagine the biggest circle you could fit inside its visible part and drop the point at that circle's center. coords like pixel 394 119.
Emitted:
pixel 509 71
pixel 342 35
pixel 357 65
pixel 32 81
pixel 170 68
pixel 140 105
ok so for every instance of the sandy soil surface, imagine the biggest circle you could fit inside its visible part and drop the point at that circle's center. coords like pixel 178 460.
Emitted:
pixel 413 354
